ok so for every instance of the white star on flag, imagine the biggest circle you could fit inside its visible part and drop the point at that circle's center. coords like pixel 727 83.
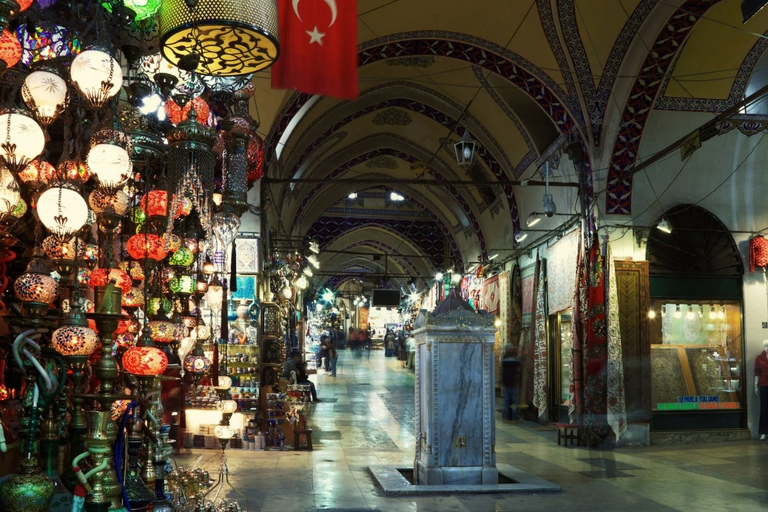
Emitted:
pixel 315 36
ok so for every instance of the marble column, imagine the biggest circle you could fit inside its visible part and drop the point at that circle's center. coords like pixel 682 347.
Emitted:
pixel 454 400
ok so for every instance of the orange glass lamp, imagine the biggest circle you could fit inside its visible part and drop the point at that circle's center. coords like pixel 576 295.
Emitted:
pixel 164 331
pixel 147 247
pixel 10 50
pixel 37 173
pixel 145 361
pixel 102 276
pixel 155 203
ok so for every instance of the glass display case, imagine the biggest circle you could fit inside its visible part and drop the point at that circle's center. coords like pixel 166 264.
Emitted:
pixel 696 356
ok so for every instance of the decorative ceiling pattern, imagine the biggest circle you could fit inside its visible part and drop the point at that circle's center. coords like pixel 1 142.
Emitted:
pixel 561 71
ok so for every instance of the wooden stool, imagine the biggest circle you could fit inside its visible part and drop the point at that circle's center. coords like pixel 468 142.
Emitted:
pixel 297 436
pixel 566 431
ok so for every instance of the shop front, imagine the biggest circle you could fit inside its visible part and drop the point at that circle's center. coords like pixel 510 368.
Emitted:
pixel 695 324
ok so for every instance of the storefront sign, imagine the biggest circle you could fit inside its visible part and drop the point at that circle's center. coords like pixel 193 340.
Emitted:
pixel 699 402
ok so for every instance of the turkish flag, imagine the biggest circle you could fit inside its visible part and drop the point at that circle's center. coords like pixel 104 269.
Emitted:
pixel 318 47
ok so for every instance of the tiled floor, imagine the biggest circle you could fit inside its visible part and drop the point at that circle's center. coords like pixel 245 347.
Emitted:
pixel 366 418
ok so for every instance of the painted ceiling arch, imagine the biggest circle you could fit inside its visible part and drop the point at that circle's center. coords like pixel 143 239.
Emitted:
pixel 368 151
pixel 431 235
pixel 597 69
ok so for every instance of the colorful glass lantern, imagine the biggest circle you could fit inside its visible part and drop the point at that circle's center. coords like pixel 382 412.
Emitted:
pixel 101 277
pixel 46 41
pixel 227 406
pixel 63 249
pixel 158 306
pixel 10 49
pixel 133 269
pixel 137 215
pixel 197 363
pixel 142 8
pixel 22 139
pixel 35 287
pixel 172 241
pixel 184 207
pixel 102 201
pixel 74 171
pixel 182 258
pixel 45 93
pixel 146 246
pixel 125 340
pixel 97 75
pixel 74 340
pixel 133 298
pixel 177 114
pixel 255 158
pixel 202 285
pixel 145 361
pixel 155 203
pixel 109 158
pixel 164 331
pixel 37 172
pixel 183 285
pixel 62 210
pixel 233 37
pixel 225 382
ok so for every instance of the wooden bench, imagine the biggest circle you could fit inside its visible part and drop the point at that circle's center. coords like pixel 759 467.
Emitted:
pixel 566 431
pixel 297 439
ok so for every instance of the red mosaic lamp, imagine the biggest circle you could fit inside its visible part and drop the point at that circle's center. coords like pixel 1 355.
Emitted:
pixel 147 247
pixel 10 49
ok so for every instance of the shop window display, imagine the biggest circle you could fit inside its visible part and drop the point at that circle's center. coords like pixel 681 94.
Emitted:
pixel 696 356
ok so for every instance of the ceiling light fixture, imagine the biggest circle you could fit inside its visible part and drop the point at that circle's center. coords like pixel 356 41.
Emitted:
pixel 533 219
pixel 550 208
pixel 520 236
pixel 664 226
pixel 465 150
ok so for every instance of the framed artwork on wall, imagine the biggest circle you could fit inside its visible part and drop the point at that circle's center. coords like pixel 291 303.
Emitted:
pixel 248 255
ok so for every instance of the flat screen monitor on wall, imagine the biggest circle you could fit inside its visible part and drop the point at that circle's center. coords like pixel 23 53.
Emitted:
pixel 385 298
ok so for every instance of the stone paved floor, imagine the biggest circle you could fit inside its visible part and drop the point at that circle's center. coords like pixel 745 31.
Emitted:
pixel 366 418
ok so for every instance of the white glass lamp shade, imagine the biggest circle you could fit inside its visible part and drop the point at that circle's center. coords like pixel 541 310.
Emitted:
pixel 45 93
pixel 227 406
pixel 97 76
pixel 225 382
pixel 62 210
pixel 223 432
pixel 214 297
pixel 110 161
pixel 21 139
pixel 9 192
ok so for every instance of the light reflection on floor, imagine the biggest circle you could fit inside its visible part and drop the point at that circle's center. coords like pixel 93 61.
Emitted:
pixel 367 419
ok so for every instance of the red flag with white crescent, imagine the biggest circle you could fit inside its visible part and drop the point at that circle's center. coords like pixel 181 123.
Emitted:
pixel 318 47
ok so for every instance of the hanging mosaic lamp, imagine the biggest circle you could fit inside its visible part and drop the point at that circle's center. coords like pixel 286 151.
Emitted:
pixel 75 338
pixel 45 41
pixel 147 246
pixel 196 363
pixel 62 210
pixel 35 288
pixel 155 203
pixel 141 8
pixel 182 258
pixel 177 114
pixel 73 171
pixel 22 139
pixel 97 75
pixel 45 93
pixel 232 37
pixel 37 172
pixel 183 285
pixel 145 359
pixel 102 201
pixel 101 277
pixel 10 50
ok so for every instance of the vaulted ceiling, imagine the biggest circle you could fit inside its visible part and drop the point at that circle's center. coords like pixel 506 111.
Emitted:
pixel 524 77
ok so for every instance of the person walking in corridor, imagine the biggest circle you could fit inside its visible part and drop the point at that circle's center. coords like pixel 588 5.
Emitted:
pixel 334 357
